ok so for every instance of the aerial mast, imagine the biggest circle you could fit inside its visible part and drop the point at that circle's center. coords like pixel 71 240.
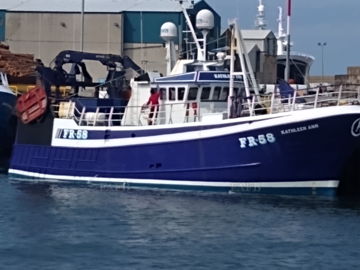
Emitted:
pixel 204 22
pixel 82 25
pixel 260 22
pixel 168 32
pixel 287 67
pixel 281 36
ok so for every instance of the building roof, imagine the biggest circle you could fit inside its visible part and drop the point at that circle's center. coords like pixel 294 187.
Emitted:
pixel 256 34
pixel 99 6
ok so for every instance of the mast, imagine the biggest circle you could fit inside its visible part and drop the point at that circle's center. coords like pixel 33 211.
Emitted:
pixel 168 32
pixel 238 45
pixel 82 24
pixel 287 67
pixel 200 53
pixel 280 35
pixel 232 70
pixel 260 22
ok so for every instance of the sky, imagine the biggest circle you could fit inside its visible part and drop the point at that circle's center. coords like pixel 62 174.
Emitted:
pixel 336 22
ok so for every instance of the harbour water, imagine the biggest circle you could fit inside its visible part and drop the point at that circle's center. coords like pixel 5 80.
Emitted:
pixel 72 227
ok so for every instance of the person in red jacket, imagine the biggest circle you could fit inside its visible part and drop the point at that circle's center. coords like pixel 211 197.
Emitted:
pixel 153 102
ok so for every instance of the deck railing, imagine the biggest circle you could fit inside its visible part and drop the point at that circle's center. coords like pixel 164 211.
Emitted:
pixel 128 115
pixel 194 111
pixel 303 99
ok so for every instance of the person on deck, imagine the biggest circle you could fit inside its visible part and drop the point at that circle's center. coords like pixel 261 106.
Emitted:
pixel 153 102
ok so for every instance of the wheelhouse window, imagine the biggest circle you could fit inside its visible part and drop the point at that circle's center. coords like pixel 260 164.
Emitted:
pixel 162 93
pixel 181 93
pixel 205 93
pixel 192 93
pixel 224 94
pixel 236 91
pixel 216 93
pixel 172 93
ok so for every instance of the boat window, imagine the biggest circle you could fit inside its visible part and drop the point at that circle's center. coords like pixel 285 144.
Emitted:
pixel 216 93
pixel 236 91
pixel 224 94
pixel 181 92
pixel 190 68
pixel 205 93
pixel 192 93
pixel 162 93
pixel 171 93
pixel 242 92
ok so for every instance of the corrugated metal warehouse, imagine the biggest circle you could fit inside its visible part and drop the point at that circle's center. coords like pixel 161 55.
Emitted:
pixel 125 27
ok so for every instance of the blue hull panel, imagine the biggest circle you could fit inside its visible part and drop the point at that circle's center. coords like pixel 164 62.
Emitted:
pixel 7 128
pixel 266 160
pixel 7 103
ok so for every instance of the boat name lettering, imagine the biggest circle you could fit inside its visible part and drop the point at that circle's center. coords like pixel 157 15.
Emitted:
pixel 299 129
pixel 72 134
pixel 247 188
pixel 225 76
pixel 260 139
pixel 355 128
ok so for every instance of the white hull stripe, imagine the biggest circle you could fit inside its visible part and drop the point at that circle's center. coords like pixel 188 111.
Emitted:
pixel 288 184
pixel 288 118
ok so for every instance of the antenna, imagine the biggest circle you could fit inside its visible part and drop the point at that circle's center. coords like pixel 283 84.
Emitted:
pixel 204 22
pixel 168 33
pixel 281 35
pixel 188 22
pixel 260 22
pixel 287 66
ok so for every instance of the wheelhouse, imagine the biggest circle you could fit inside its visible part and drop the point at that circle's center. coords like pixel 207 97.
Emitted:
pixel 190 96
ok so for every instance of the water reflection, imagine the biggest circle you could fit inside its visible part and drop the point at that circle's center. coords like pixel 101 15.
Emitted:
pixel 152 229
pixel 168 198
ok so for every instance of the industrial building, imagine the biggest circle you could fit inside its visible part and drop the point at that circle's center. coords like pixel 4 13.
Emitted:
pixel 261 47
pixel 126 27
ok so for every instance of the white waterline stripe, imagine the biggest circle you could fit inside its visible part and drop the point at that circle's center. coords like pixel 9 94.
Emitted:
pixel 287 184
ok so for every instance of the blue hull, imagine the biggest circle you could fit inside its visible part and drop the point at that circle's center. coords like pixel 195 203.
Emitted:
pixel 299 158
pixel 7 128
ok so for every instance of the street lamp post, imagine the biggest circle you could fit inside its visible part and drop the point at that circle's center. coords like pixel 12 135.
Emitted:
pixel 322 45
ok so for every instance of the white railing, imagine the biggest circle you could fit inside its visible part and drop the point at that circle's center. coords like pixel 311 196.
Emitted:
pixel 301 99
pixel 193 112
pixel 119 115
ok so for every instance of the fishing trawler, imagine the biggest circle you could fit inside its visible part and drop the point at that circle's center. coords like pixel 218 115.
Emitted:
pixel 7 122
pixel 210 130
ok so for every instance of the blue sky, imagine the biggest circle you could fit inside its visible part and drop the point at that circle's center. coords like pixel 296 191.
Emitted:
pixel 336 22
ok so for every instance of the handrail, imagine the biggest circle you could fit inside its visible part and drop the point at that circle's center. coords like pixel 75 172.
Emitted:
pixel 339 95
pixel 316 97
pixel 300 101
pixel 82 115
pixel 191 111
pixel 110 115
pixel 293 100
